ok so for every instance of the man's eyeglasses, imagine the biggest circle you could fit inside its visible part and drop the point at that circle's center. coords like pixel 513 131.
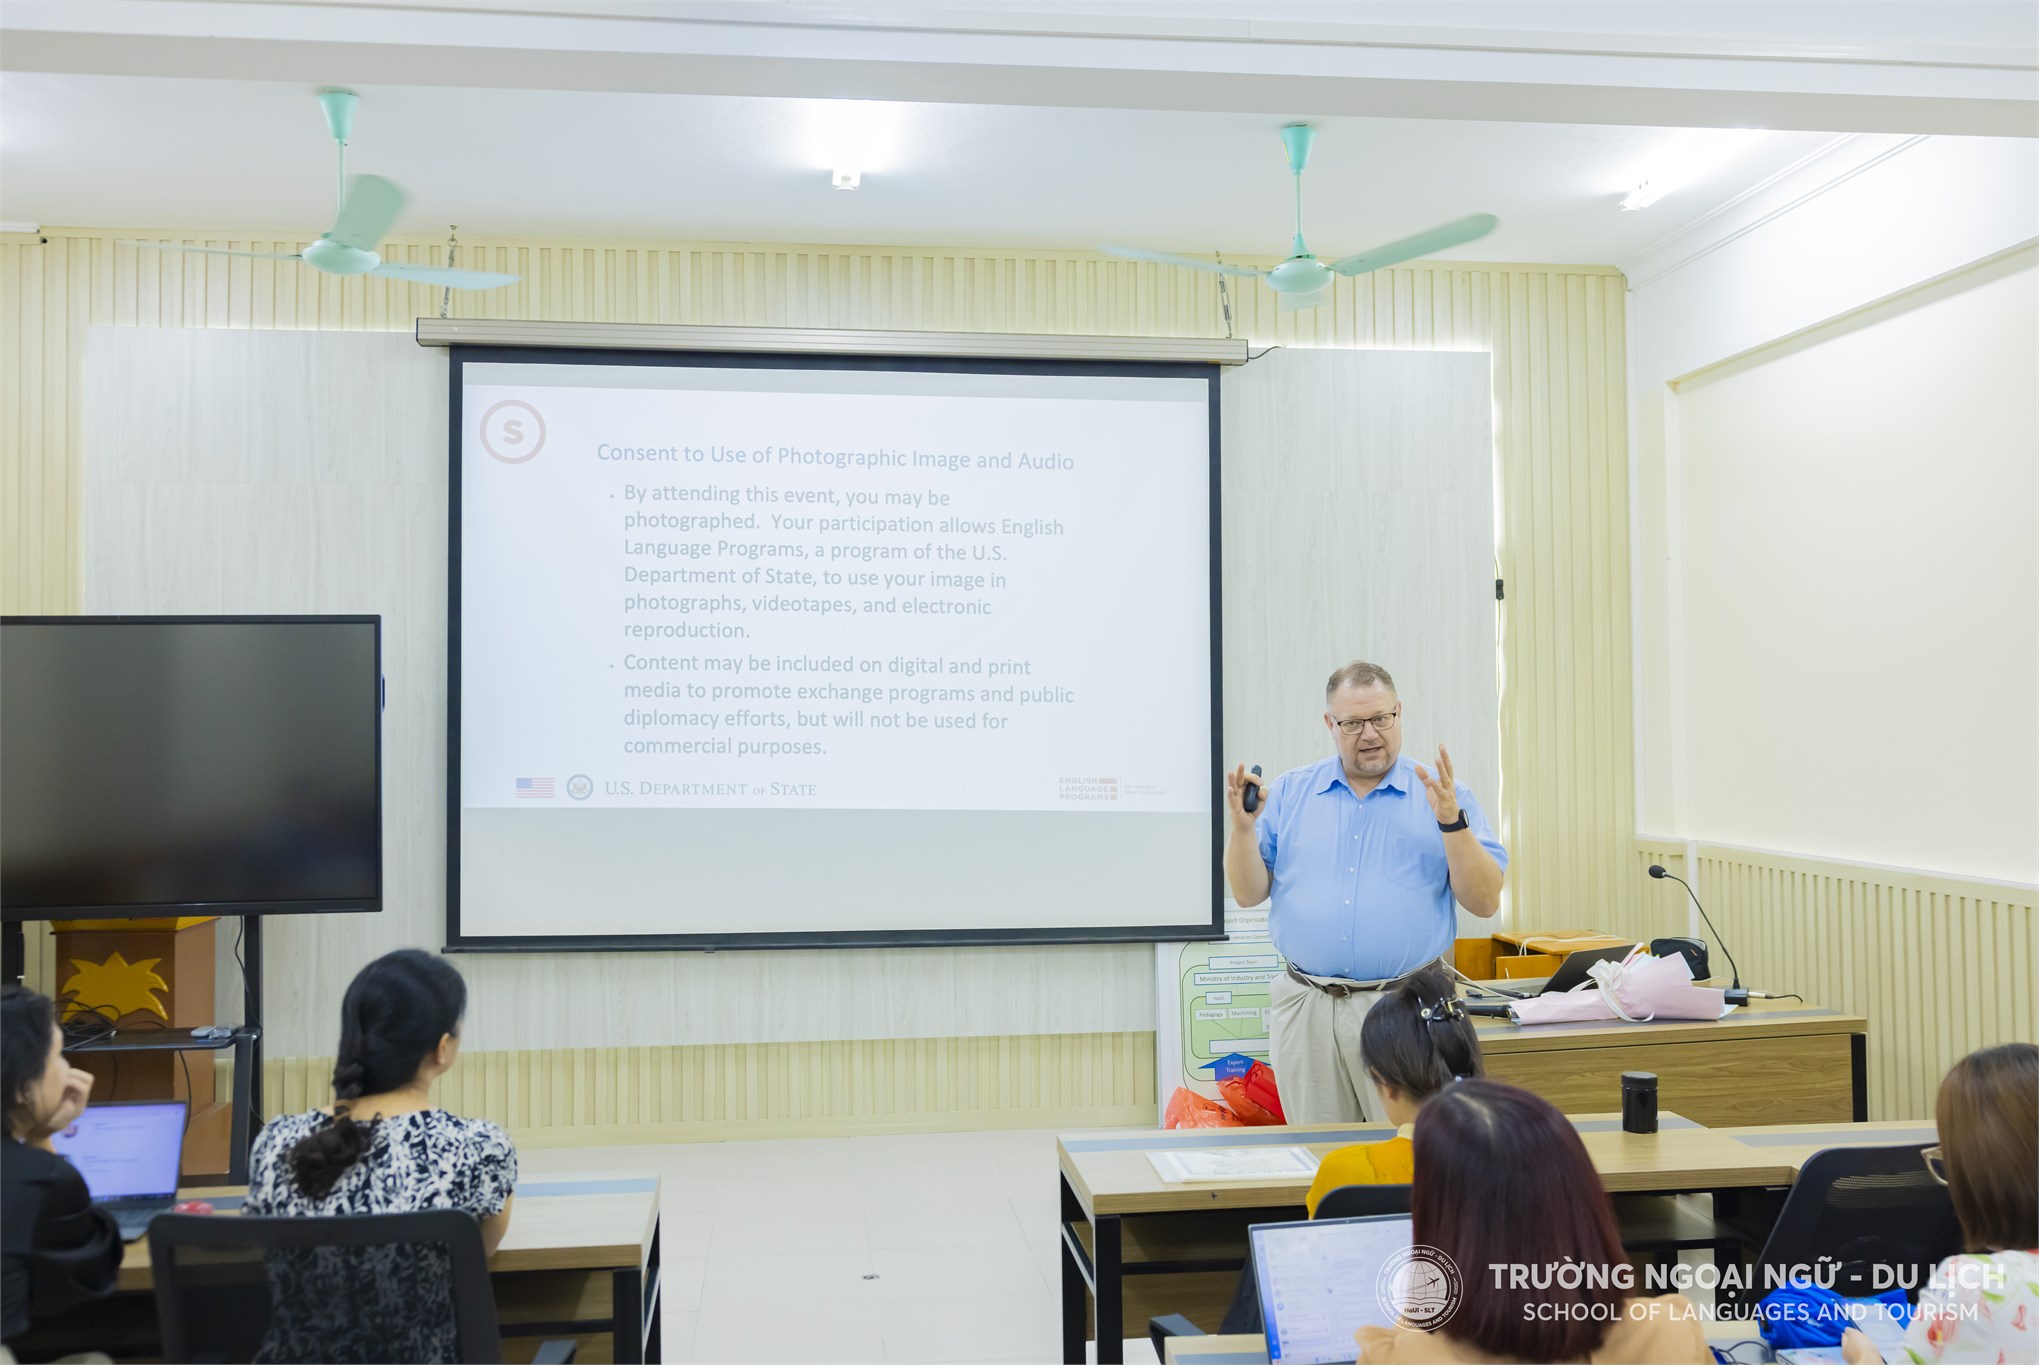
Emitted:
pixel 1381 724
pixel 1936 1164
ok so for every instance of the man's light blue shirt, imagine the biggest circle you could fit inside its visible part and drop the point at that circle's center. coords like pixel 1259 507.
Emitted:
pixel 1361 886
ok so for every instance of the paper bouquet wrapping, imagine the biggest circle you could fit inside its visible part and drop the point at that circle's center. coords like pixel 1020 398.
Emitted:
pixel 1637 989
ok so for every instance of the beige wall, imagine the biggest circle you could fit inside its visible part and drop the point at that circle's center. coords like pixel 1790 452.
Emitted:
pixel 1859 515
pixel 1782 552
pixel 1555 334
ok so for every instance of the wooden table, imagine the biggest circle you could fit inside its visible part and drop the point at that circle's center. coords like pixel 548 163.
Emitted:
pixel 1796 1143
pixel 1119 1218
pixel 1769 1061
pixel 1113 1203
pixel 581 1259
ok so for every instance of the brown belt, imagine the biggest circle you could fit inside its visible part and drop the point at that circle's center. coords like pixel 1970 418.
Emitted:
pixel 1341 988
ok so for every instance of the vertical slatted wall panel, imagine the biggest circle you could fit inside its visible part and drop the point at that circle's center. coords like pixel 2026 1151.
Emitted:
pixel 1939 966
pixel 749 1090
pixel 1559 393
pixel 1555 332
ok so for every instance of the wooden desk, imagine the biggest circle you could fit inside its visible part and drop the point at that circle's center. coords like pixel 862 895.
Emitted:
pixel 1774 1061
pixel 581 1258
pixel 1559 942
pixel 1120 1218
pixel 1796 1143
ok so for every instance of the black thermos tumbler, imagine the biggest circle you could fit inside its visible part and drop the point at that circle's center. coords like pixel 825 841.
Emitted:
pixel 1639 1102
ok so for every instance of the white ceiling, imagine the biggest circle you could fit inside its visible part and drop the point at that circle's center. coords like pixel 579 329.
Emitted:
pixel 1044 123
pixel 112 151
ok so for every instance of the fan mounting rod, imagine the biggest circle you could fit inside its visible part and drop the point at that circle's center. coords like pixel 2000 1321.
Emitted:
pixel 1297 137
pixel 339 105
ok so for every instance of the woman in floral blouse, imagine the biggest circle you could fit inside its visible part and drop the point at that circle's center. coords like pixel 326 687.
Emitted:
pixel 1982 1306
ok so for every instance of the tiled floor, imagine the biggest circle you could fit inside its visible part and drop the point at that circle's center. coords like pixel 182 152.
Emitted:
pixel 903 1248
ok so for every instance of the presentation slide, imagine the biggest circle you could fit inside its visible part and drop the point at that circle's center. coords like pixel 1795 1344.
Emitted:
pixel 802 649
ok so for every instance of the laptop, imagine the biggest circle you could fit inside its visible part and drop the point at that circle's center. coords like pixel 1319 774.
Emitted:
pixel 1323 1280
pixel 128 1151
pixel 1577 966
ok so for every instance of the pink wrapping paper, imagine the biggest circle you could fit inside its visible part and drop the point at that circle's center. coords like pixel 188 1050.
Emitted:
pixel 1646 987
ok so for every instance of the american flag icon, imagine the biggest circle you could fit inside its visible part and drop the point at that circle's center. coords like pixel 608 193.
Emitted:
pixel 535 787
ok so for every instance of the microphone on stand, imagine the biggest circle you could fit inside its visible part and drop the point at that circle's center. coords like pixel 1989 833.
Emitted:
pixel 1735 995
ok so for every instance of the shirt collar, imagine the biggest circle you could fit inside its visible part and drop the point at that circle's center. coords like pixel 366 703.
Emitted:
pixel 1397 777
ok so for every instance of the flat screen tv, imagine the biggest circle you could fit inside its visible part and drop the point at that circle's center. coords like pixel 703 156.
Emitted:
pixel 166 766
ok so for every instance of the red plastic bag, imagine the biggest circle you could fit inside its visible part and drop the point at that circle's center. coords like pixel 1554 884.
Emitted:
pixel 1253 1096
pixel 1188 1110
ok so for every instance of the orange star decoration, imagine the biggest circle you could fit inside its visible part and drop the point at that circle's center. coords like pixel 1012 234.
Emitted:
pixel 117 985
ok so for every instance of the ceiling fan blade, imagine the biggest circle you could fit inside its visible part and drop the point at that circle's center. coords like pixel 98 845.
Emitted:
pixel 364 220
pixel 442 275
pixel 1166 258
pixel 216 251
pixel 1452 234
pixel 1291 303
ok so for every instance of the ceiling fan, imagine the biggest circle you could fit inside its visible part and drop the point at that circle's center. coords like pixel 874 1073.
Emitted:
pixel 1304 281
pixel 367 208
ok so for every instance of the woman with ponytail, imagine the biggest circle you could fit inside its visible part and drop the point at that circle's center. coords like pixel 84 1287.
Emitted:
pixel 381 1148
pixel 1416 1041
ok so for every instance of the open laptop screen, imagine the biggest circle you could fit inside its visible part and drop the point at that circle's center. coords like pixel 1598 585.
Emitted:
pixel 1321 1282
pixel 126 1149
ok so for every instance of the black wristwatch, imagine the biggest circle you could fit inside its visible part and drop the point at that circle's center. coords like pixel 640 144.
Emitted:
pixel 1460 824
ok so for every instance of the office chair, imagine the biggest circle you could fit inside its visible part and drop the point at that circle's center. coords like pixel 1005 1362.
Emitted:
pixel 1243 1314
pixel 213 1282
pixel 1360 1202
pixel 1863 1208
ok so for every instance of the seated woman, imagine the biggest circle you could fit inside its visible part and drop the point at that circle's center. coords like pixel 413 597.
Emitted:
pixel 60 1248
pixel 1502 1181
pixel 1416 1041
pixel 1984 1304
pixel 382 1149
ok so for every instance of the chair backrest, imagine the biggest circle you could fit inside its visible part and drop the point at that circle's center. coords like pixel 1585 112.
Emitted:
pixel 352 1288
pixel 1354 1202
pixel 1863 1208
pixel 1346 1202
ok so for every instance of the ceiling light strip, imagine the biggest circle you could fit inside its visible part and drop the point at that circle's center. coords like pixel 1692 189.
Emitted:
pixel 826 341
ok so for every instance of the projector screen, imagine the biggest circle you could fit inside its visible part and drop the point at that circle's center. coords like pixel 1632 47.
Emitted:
pixel 761 650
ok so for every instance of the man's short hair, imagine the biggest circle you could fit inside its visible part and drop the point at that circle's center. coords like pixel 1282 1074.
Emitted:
pixel 1358 674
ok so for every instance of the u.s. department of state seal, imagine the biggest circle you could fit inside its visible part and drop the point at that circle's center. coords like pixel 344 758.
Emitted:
pixel 1421 1285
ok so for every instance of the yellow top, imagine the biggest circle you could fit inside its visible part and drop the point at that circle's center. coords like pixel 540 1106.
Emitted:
pixel 1390 1162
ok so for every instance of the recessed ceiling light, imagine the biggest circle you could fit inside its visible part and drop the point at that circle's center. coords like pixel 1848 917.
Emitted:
pixel 847 138
pixel 1688 160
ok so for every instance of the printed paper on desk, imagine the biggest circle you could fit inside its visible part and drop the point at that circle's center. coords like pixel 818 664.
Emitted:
pixel 1234 1164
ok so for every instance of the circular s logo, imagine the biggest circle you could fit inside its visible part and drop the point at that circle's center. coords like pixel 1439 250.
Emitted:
pixel 512 431
pixel 1421 1285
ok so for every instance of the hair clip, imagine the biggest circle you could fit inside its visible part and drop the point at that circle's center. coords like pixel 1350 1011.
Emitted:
pixel 1445 1008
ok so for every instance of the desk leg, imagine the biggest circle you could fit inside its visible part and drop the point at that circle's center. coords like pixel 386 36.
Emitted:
pixel 1111 1340
pixel 653 1316
pixel 1858 1067
pixel 626 1307
pixel 1075 1282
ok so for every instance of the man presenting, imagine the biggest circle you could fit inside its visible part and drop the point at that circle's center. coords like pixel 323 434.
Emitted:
pixel 1364 853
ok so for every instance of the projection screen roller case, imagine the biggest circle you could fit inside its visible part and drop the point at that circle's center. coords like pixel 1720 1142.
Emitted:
pixel 763 650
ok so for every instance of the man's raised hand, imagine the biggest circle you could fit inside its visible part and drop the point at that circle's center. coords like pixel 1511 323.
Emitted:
pixel 1442 788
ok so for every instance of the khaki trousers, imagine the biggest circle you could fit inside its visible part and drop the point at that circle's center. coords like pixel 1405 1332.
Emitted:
pixel 1314 1050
